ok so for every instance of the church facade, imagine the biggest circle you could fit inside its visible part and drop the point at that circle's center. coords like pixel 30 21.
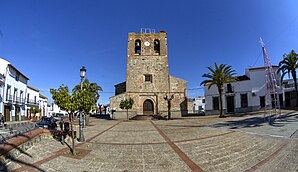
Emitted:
pixel 148 81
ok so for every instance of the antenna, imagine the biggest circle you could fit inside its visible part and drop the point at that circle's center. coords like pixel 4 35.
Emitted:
pixel 261 42
pixel 272 107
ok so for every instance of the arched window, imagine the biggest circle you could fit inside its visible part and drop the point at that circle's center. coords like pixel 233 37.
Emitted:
pixel 138 47
pixel 156 46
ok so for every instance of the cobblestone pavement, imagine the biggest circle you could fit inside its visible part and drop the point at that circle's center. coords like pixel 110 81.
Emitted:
pixel 188 144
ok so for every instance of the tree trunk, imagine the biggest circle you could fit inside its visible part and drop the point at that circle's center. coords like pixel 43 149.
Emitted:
pixel 127 113
pixel 295 83
pixel 72 135
pixel 220 102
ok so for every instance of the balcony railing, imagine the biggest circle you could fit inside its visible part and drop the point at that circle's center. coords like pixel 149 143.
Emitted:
pixel 19 100
pixel 9 98
pixel 32 102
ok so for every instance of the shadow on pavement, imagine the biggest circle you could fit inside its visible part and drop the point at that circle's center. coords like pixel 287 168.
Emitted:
pixel 12 158
pixel 274 121
pixel 107 117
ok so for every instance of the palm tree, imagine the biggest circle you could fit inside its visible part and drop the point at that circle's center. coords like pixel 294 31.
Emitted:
pixel 219 75
pixel 288 66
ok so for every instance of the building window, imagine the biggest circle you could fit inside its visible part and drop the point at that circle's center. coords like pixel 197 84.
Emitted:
pixel 203 100
pixel 17 77
pixel 15 94
pixel 8 96
pixel 244 101
pixel 215 102
pixel 262 101
pixel 156 46
pixel 148 78
pixel 138 47
pixel 21 96
pixel 274 100
pixel 229 88
pixel 28 96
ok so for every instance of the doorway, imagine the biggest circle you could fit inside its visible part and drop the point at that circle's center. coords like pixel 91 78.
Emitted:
pixel 17 113
pixel 7 113
pixel 148 107
pixel 230 104
pixel 288 99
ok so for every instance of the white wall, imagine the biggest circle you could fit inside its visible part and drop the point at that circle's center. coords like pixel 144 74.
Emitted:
pixel 199 102
pixel 53 109
pixel 1 98
pixel 43 103
pixel 32 95
pixel 20 85
pixel 254 88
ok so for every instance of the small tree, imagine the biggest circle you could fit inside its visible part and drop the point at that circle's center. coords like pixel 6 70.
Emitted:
pixel 66 102
pixel 79 100
pixel 126 104
pixel 35 110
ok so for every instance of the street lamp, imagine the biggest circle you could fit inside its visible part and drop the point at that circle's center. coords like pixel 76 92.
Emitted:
pixel 169 99
pixel 82 75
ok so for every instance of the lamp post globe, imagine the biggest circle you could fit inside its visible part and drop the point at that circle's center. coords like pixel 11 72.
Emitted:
pixel 83 72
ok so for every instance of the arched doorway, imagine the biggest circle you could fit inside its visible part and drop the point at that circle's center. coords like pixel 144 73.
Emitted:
pixel 148 107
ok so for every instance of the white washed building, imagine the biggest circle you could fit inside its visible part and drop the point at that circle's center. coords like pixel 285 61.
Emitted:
pixel 199 104
pixel 13 87
pixel 32 100
pixel 43 105
pixel 245 95
pixel 289 93
pixel 53 109
pixel 2 85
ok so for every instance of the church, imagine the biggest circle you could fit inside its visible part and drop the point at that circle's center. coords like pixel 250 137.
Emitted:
pixel 148 81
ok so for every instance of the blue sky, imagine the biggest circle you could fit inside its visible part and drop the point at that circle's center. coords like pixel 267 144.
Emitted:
pixel 49 41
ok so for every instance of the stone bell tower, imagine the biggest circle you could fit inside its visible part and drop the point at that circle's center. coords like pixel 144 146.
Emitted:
pixel 147 77
pixel 147 62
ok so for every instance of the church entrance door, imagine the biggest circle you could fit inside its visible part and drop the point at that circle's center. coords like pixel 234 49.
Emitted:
pixel 148 107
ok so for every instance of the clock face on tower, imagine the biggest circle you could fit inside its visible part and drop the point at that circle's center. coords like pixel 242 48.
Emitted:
pixel 147 43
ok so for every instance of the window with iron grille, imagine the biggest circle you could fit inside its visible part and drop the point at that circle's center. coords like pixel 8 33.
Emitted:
pixel 215 102
pixel 262 101
pixel 244 102
pixel 148 78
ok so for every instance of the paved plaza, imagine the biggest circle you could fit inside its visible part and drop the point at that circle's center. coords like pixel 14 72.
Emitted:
pixel 206 143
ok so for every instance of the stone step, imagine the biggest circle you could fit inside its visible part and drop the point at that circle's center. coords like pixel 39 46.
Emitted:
pixel 141 117
pixel 147 117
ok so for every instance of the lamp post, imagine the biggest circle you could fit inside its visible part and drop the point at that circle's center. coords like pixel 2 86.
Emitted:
pixel 169 99
pixel 82 75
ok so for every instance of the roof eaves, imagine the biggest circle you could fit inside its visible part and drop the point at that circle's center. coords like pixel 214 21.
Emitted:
pixel 18 71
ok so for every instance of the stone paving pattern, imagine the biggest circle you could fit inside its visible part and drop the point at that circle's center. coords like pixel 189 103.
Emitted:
pixel 138 146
